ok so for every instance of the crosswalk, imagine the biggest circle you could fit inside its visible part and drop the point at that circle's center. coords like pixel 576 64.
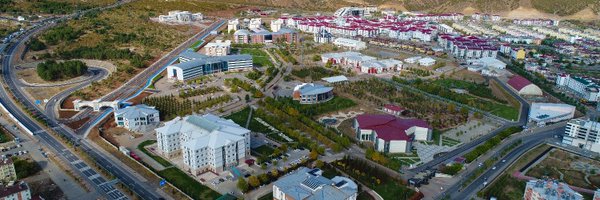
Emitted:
pixel 101 183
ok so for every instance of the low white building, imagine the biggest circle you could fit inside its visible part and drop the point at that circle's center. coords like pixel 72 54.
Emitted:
pixel 311 93
pixel 412 60
pixel 381 66
pixel 233 25
pixel 543 113
pixel 180 17
pixel 489 62
pixel 218 48
pixel 583 134
pixel 276 25
pixel 306 183
pixel 350 44
pixel 138 118
pixel 390 134
pixel 427 61
pixel 206 143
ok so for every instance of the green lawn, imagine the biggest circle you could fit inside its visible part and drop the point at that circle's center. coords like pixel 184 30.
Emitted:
pixel 267 197
pixel 264 150
pixel 187 184
pixel 392 190
pixel 195 46
pixel 156 78
pixel 506 111
pixel 241 117
pixel 260 58
pixel 158 159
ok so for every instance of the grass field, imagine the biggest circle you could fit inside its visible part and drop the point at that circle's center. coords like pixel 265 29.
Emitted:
pixel 264 150
pixel 158 159
pixel 241 118
pixel 187 184
pixel 260 58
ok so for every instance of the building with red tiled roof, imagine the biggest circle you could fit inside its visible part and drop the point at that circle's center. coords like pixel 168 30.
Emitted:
pixel 390 134
pixel 18 191
pixel 524 86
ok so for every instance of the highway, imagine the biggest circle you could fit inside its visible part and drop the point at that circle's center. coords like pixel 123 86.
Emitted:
pixel 528 142
pixel 524 110
pixel 142 189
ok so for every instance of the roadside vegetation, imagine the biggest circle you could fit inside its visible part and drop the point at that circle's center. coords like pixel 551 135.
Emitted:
pixel 171 107
pixel 52 70
pixel 491 143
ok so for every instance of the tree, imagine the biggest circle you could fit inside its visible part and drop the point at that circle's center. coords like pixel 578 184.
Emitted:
pixel 274 173
pixel 253 181
pixel 242 184
pixel 313 154
pixel 319 163
pixel 316 57
pixel 264 179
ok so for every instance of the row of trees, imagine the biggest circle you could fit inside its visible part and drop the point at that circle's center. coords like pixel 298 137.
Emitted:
pixel 235 82
pixel 263 179
pixel 278 119
pixel 170 107
pixel 335 104
pixel 195 92
pixel 104 52
pixel 52 70
pixel 36 45
pixel 327 136
pixel 491 143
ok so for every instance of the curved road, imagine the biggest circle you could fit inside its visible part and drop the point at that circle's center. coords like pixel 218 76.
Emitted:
pixel 142 189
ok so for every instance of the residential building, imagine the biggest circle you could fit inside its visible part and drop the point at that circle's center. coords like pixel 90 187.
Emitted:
pixel 323 36
pixel 518 53
pixel 543 113
pixel 276 25
pixel 390 134
pixel 549 190
pixel 139 118
pixel 255 23
pixel 585 88
pixel 15 191
pixel 354 11
pixel 393 109
pixel 218 48
pixel 206 142
pixel 427 61
pixel 180 17
pixel 192 65
pixel 467 47
pixel 260 36
pixel 7 170
pixel 536 22
pixel 583 134
pixel 350 44
pixel 233 25
pixel 306 183
pixel 524 86
pixel 312 93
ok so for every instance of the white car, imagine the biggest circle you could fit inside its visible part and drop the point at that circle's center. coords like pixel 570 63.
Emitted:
pixel 494 168
pixel 484 183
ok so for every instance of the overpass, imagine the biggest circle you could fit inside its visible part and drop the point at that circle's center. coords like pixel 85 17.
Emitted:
pixel 95 104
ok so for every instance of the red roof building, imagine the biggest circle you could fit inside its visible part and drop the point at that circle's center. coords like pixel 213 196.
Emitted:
pixel 524 86
pixel 393 109
pixel 390 134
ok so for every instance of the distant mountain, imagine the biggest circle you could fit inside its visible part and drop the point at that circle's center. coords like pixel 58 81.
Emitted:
pixel 553 7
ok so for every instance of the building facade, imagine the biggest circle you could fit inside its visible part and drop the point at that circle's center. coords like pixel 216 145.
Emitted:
pixel 311 93
pixel 206 142
pixel 218 48
pixel 585 88
pixel 192 65
pixel 543 113
pixel 306 183
pixel 583 134
pixel 390 134
pixel 139 118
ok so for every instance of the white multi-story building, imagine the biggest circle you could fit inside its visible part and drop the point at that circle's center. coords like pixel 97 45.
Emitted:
pixel 206 143
pixel 583 134
pixel 276 25
pixel 305 183
pixel 139 118
pixel 192 65
pixel 180 16
pixel 350 44
pixel 586 88
pixel 218 48
pixel 233 25
pixel 255 23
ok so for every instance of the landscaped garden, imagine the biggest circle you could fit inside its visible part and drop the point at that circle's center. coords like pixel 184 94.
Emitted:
pixel 158 159
pixel 311 110
pixel 260 58
pixel 187 184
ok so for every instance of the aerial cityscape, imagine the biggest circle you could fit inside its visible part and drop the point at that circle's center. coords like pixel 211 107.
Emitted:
pixel 300 100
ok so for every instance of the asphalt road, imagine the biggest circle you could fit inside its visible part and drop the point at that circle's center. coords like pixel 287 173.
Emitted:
pixel 140 188
pixel 524 110
pixel 528 143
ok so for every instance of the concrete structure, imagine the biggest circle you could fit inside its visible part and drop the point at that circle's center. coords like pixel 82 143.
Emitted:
pixel 192 65
pixel 390 134
pixel 7 171
pixel 524 86
pixel 16 191
pixel 427 61
pixel 306 183
pixel 138 118
pixel 95 104
pixel 549 190
pixel 218 48
pixel 207 142
pixel 543 113
pixel 180 17
pixel 311 93
pixel 393 109
pixel 583 134
pixel 585 88
pixel 350 44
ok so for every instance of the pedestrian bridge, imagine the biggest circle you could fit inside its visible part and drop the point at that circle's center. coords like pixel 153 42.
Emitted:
pixel 95 104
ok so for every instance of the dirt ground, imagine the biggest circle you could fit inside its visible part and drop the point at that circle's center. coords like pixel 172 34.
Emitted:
pixel 63 114
pixel 559 165
pixel 138 99
pixel 76 124
pixel 46 188
pixel 41 93
pixel 68 103
pixel 467 75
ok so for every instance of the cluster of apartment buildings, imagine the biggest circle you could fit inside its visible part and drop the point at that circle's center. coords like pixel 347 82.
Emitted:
pixel 178 16
pixel 362 63
pixel 536 22
pixel 254 32
pixel 10 188
pixel 485 17
pixel 583 87
pixel 433 17
pixel 473 29
pixel 467 47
